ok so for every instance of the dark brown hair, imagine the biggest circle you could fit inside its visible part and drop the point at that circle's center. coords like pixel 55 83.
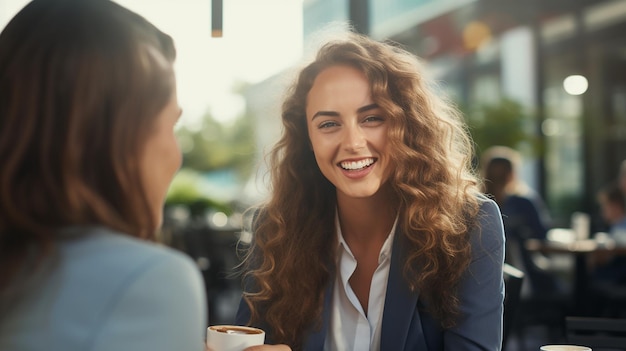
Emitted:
pixel 499 166
pixel 81 82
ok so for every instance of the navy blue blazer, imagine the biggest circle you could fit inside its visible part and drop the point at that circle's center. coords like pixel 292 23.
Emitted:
pixel 405 326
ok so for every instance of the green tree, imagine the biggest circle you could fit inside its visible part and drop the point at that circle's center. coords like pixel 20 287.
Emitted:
pixel 504 123
pixel 184 190
pixel 217 146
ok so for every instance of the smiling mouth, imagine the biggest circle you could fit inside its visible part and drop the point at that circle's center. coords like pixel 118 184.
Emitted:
pixel 357 165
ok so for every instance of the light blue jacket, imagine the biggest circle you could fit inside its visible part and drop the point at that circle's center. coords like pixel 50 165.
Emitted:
pixel 406 328
pixel 110 292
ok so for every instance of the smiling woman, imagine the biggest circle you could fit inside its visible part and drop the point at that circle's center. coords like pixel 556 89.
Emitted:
pixel 375 235
pixel 348 133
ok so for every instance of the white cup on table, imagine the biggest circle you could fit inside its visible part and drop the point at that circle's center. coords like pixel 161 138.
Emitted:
pixel 564 348
pixel 233 337
pixel 580 225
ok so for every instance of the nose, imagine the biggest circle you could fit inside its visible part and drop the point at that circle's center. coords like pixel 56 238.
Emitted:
pixel 354 138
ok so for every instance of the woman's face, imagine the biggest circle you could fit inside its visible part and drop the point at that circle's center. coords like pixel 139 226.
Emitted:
pixel 347 131
pixel 161 157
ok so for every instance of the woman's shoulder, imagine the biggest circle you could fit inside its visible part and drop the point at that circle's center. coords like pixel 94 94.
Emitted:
pixel 489 227
pixel 102 279
pixel 108 261
pixel 487 205
pixel 100 243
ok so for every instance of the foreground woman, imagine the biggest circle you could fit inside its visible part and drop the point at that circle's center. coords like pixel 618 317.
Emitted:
pixel 87 113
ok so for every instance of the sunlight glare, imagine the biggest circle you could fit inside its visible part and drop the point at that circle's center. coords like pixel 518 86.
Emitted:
pixel 260 39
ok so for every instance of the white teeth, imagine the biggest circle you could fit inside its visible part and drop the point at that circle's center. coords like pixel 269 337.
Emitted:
pixel 357 164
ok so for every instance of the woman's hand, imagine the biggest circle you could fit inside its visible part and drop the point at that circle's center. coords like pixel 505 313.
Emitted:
pixel 268 348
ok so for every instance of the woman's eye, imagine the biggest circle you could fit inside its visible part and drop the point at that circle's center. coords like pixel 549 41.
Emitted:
pixel 373 119
pixel 328 124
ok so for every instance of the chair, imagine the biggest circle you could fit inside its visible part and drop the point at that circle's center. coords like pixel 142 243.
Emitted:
pixel 513 279
pixel 597 333
pixel 544 301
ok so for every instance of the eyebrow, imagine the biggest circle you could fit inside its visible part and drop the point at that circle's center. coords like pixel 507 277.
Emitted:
pixel 336 114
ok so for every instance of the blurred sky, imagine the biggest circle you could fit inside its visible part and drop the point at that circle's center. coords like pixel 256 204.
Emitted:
pixel 260 38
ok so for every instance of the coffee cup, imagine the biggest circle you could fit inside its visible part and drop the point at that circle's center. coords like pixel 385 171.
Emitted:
pixel 233 337
pixel 564 348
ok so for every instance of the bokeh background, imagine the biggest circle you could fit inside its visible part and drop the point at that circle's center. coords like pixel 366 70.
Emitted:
pixel 545 77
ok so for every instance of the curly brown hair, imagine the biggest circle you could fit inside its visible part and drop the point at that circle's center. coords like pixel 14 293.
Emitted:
pixel 292 260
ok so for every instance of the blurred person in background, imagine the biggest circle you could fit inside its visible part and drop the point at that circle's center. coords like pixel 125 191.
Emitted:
pixel 608 271
pixel 612 203
pixel 524 214
pixel 376 235
pixel 87 112
pixel 613 211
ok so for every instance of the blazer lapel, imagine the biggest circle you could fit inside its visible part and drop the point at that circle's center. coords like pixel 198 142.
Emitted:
pixel 400 316
pixel 317 337
pixel 401 329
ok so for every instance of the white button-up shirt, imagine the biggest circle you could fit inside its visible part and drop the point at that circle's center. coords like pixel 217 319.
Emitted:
pixel 350 328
